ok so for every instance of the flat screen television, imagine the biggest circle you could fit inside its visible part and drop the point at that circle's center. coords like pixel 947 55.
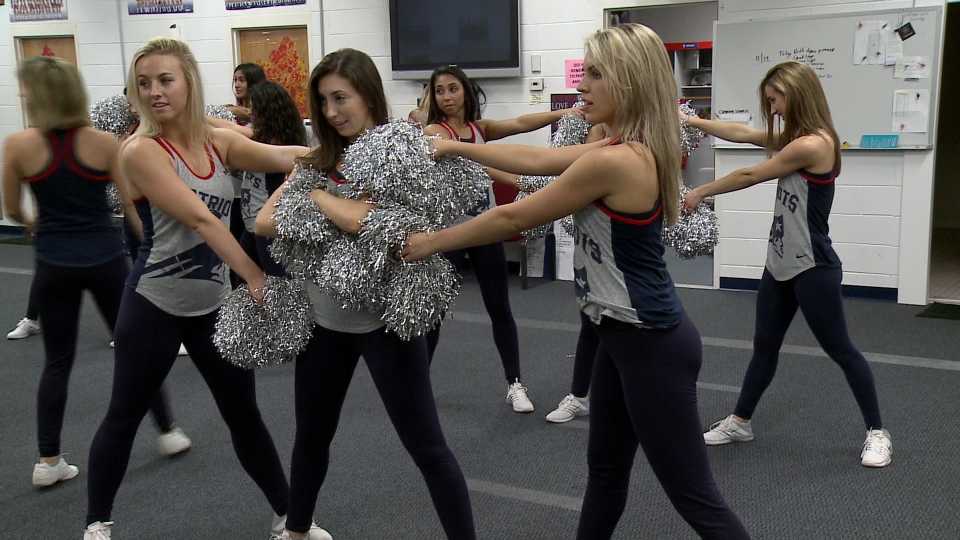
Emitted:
pixel 482 37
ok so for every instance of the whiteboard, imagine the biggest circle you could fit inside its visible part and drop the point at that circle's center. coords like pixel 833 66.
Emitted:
pixel 861 97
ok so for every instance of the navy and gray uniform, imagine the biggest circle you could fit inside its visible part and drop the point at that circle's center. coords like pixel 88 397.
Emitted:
pixel 802 270
pixel 255 190
pixel 400 371
pixel 490 266
pixel 172 297
pixel 78 247
pixel 644 376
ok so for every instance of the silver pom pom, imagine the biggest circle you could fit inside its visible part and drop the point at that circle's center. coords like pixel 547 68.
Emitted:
pixel 538 231
pixel 251 335
pixel 113 199
pixel 418 294
pixel 530 184
pixel 221 112
pixel 112 115
pixel 690 136
pixel 571 129
pixel 568 225
pixel 695 233
pixel 297 216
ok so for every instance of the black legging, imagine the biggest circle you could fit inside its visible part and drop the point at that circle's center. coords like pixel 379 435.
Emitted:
pixel 402 376
pixel 587 344
pixel 59 291
pixel 33 302
pixel 146 347
pixel 817 293
pixel 645 393
pixel 490 266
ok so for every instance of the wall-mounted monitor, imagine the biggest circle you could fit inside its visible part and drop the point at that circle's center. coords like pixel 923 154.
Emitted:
pixel 483 38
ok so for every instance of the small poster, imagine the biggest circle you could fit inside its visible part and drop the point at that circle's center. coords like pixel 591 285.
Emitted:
pixel 561 101
pixel 38 10
pixel 574 72
pixel 158 7
pixel 253 4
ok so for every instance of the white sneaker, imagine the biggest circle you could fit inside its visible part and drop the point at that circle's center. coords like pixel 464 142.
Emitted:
pixel 570 407
pixel 98 531
pixel 48 475
pixel 727 431
pixel 113 344
pixel 182 351
pixel 517 396
pixel 278 530
pixel 877 449
pixel 173 442
pixel 24 329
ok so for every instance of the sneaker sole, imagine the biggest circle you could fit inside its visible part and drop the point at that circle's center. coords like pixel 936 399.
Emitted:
pixel 878 465
pixel 728 441
pixel 523 412
pixel 56 481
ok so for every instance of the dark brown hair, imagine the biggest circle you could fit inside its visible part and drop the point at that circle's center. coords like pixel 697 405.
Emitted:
pixel 473 96
pixel 357 68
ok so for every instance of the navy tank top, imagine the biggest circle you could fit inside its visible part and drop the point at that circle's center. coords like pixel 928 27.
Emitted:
pixel 74 225
pixel 618 267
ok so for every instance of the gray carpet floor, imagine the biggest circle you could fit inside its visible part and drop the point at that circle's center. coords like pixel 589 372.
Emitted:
pixel 800 479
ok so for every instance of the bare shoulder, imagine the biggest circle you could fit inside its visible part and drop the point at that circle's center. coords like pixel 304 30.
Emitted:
pixel 223 138
pixel 26 138
pixel 138 147
pixel 435 129
pixel 810 145
pixel 627 158
pixel 101 139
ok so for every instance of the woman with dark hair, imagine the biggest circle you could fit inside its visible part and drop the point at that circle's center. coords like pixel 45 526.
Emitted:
pixel 455 114
pixel 245 77
pixel 347 98
pixel 802 270
pixel 275 120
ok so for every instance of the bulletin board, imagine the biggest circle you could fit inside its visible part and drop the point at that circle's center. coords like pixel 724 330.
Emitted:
pixel 876 82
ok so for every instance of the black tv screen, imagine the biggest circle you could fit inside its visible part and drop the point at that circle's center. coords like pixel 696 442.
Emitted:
pixel 482 37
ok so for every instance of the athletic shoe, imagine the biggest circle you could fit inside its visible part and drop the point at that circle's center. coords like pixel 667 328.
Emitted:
pixel 24 329
pixel 98 531
pixel 182 351
pixel 173 442
pixel 278 530
pixel 517 396
pixel 570 407
pixel 727 431
pixel 877 449
pixel 113 344
pixel 48 475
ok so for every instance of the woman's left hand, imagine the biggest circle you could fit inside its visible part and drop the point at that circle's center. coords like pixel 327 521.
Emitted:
pixel 692 200
pixel 441 147
pixel 418 246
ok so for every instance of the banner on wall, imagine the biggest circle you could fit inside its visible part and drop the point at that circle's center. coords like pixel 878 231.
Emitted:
pixel 253 4
pixel 158 7
pixel 558 102
pixel 38 10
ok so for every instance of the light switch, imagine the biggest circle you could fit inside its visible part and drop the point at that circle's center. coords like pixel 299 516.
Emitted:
pixel 536 85
pixel 535 63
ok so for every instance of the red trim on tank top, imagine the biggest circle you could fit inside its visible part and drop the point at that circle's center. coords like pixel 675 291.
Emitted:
pixel 56 156
pixel 617 216
pixel 73 163
pixel 206 149
pixel 337 177
pixel 456 136
pixel 819 179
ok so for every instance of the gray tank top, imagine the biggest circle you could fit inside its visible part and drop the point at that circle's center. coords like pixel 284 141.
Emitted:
pixel 176 270
pixel 253 195
pixel 800 233
pixel 327 311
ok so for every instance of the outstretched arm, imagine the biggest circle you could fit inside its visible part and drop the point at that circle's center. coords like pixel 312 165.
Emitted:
pixel 728 131
pixel 241 153
pixel 498 129
pixel 585 181
pixel 518 159
pixel 799 154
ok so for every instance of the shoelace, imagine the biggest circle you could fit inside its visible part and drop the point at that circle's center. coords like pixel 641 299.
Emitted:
pixel 570 404
pixel 875 443
pixel 516 389
pixel 101 530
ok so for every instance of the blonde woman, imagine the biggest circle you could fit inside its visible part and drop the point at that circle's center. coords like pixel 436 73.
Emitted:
pixel 621 191
pixel 802 270
pixel 68 166
pixel 177 168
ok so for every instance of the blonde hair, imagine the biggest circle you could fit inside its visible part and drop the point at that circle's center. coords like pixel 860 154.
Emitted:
pixel 197 129
pixel 807 111
pixel 633 61
pixel 57 98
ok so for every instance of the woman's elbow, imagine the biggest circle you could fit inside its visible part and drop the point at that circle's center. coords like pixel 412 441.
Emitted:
pixel 264 226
